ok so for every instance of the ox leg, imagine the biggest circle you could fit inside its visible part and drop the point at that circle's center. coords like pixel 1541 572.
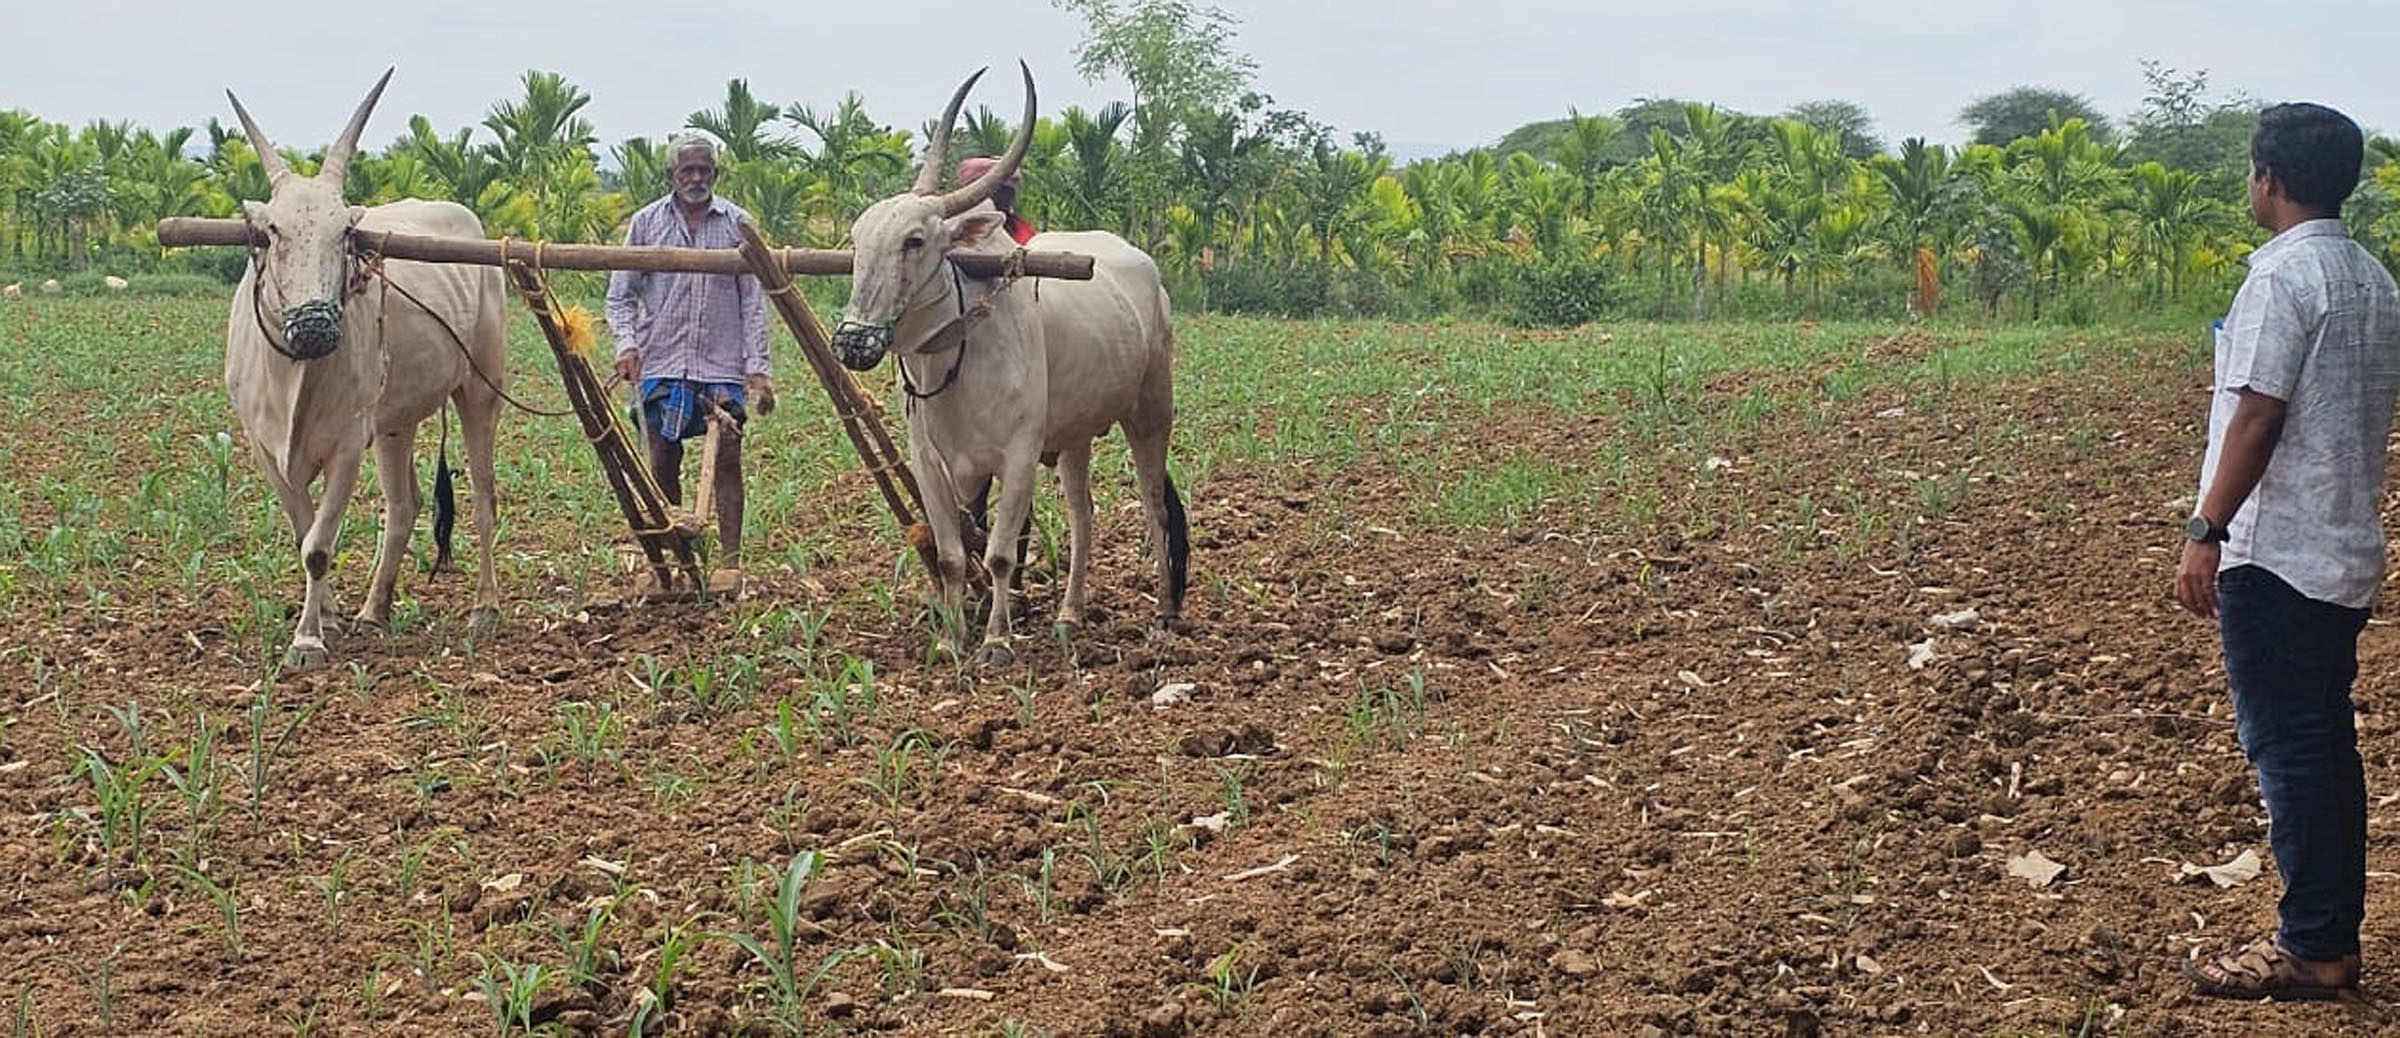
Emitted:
pixel 1075 483
pixel 396 473
pixel 950 556
pixel 1170 531
pixel 292 494
pixel 1000 558
pixel 478 423
pixel 316 556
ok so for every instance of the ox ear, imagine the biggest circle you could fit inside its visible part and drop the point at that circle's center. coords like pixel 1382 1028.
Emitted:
pixel 971 227
pixel 255 212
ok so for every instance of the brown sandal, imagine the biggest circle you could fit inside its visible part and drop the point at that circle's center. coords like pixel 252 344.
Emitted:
pixel 2263 970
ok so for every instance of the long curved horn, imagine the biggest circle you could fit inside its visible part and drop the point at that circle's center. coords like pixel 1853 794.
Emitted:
pixel 965 196
pixel 337 158
pixel 268 158
pixel 937 151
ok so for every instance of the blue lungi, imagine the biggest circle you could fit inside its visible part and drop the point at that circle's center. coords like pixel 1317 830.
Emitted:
pixel 672 408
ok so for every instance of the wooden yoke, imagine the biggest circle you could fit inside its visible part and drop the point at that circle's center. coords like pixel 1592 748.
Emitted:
pixel 189 230
pixel 861 418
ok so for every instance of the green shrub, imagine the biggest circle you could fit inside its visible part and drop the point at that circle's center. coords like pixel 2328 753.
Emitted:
pixel 1279 290
pixel 1562 293
pixel 1367 293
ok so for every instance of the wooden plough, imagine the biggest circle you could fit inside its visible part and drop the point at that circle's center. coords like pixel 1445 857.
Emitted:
pixel 664 532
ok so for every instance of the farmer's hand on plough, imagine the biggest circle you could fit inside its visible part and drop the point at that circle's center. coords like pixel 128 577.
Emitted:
pixel 629 365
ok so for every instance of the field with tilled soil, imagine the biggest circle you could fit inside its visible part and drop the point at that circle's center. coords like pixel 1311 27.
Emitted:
pixel 1659 679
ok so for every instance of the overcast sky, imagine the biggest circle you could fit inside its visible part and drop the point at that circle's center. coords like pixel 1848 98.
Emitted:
pixel 1425 74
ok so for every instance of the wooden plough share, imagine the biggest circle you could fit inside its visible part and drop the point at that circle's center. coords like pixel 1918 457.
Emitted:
pixel 663 531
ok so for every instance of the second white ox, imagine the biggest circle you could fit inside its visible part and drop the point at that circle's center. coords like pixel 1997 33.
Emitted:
pixel 1053 367
pixel 321 357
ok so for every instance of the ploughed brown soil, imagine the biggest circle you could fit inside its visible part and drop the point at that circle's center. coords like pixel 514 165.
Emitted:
pixel 1639 764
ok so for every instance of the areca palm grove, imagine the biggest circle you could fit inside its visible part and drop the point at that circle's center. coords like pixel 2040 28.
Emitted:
pixel 1664 209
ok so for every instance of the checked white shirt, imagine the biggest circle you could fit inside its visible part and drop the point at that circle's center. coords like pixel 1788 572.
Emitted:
pixel 701 327
pixel 2315 325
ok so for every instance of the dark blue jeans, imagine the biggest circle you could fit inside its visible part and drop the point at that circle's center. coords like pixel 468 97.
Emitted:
pixel 2289 660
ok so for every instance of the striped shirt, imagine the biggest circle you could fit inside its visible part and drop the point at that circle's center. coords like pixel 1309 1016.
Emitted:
pixel 2317 326
pixel 701 327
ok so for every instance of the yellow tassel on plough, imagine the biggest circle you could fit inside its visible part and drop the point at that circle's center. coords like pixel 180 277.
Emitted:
pixel 576 323
pixel 664 532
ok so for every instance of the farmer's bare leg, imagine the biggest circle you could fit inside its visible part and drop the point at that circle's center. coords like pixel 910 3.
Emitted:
pixel 666 465
pixel 729 496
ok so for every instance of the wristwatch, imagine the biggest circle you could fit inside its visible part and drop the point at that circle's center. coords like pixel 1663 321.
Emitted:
pixel 2201 528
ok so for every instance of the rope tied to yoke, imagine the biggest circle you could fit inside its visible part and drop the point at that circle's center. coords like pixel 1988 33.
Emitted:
pixel 371 263
pixel 660 525
pixel 952 335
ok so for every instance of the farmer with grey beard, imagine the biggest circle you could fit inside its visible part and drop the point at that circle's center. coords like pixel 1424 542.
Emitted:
pixel 693 342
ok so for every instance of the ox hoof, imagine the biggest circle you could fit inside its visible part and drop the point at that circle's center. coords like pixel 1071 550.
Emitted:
pixel 995 655
pixel 485 620
pixel 306 655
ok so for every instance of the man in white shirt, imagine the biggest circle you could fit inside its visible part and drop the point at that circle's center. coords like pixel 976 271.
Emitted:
pixel 2286 549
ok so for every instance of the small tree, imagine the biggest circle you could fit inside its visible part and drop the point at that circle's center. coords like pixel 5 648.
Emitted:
pixel 1179 59
pixel 2027 110
pixel 1842 119
pixel 2181 127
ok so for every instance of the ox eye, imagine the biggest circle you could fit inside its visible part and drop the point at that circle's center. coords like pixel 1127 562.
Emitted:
pixel 914 241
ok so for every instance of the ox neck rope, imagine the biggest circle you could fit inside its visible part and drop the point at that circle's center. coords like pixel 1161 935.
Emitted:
pixel 958 328
pixel 958 292
pixel 371 265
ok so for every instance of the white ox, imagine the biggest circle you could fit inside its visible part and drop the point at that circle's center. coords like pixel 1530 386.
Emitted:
pixel 320 358
pixel 1055 365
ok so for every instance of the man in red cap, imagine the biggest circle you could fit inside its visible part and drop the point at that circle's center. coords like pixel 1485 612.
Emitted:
pixel 1004 195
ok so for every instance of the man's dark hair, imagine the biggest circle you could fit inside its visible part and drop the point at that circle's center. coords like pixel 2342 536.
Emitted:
pixel 2313 151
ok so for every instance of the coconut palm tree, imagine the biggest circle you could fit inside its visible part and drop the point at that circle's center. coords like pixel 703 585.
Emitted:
pixel 856 160
pixel 1923 192
pixel 1096 155
pixel 1333 184
pixel 472 175
pixel 2169 212
pixel 71 189
pixel 159 182
pixel 641 165
pixel 741 125
pixel 1584 151
pixel 539 133
pixel 18 130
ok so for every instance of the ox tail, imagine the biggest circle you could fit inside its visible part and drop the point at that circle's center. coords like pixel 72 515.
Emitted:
pixel 1179 549
pixel 445 500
